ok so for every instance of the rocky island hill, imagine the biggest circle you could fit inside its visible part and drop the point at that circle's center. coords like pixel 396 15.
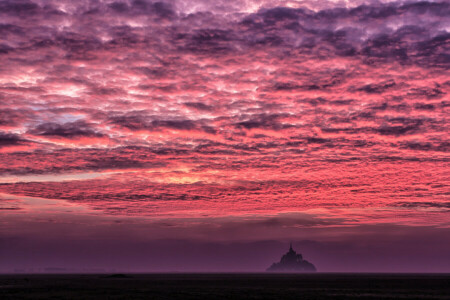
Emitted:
pixel 292 262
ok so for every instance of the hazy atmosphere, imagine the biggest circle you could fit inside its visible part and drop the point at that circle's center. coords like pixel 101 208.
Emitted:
pixel 199 135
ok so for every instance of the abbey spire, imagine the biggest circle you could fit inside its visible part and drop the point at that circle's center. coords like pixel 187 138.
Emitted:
pixel 292 262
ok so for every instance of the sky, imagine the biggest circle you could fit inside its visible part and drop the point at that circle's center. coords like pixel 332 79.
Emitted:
pixel 199 135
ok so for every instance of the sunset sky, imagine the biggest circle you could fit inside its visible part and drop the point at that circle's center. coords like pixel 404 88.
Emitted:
pixel 197 135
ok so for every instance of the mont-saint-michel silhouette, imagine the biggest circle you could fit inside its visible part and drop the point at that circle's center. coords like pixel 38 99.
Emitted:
pixel 292 262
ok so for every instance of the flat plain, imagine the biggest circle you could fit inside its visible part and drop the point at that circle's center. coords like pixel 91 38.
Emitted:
pixel 225 286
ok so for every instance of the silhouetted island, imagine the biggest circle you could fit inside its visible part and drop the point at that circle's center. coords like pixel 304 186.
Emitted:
pixel 292 262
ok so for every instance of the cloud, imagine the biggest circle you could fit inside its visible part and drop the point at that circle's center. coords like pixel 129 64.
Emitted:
pixel 408 128
pixel 264 121
pixel 422 204
pixel 13 117
pixel 9 139
pixel 19 8
pixel 443 146
pixel 377 88
pixel 66 130
pixel 139 121
pixel 200 107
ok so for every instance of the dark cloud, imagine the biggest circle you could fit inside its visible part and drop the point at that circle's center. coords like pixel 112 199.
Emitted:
pixel 427 146
pixel 429 92
pixel 174 124
pixel 406 126
pixel 207 41
pixel 13 117
pixel 315 140
pixel 280 27
pixel 163 10
pixel 10 208
pixel 8 139
pixel 385 46
pixel 76 160
pixel 278 14
pixel 199 106
pixel 269 121
pixel 377 88
pixel 422 204
pixel 398 130
pixel 424 106
pixel 296 220
pixel 160 9
pixel 116 162
pixel 67 130
pixel 409 43
pixel 19 7
pixel 6 29
pixel 139 121
pixel 119 7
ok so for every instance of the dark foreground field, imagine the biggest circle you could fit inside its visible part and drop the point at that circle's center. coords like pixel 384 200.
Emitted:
pixel 226 286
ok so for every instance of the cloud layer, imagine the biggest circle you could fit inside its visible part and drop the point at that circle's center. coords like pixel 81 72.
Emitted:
pixel 192 109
